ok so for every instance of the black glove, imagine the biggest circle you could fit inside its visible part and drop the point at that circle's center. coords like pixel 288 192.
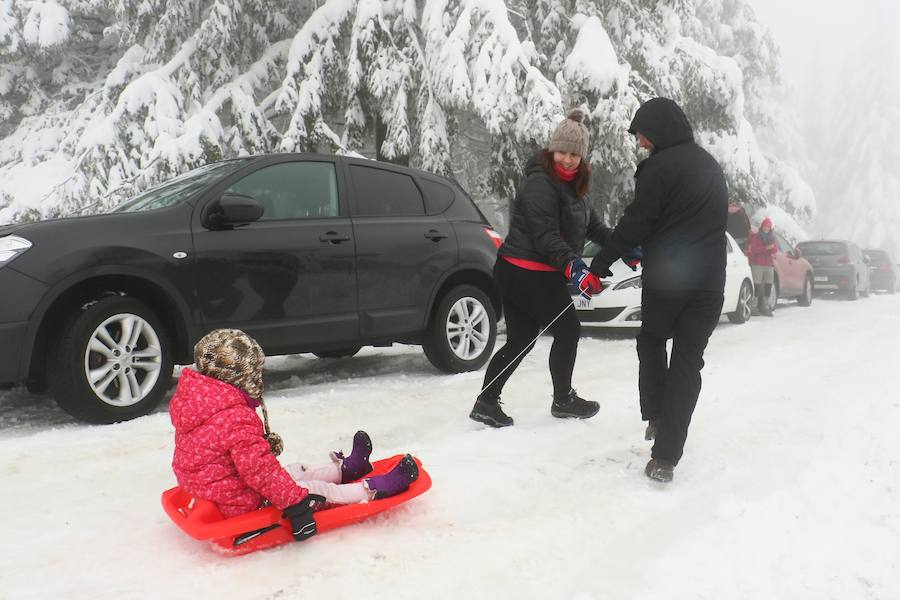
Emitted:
pixel 600 267
pixel 303 525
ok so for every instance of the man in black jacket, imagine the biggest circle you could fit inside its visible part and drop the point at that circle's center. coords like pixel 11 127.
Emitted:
pixel 678 217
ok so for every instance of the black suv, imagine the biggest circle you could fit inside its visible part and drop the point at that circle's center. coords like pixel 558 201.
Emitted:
pixel 838 265
pixel 306 253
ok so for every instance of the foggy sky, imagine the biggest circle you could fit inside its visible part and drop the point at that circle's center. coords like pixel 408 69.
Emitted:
pixel 829 49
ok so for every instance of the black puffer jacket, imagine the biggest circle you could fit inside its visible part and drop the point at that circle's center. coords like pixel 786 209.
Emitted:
pixel 548 221
pixel 680 207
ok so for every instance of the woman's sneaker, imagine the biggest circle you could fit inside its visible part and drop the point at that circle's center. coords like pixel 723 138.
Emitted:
pixel 490 413
pixel 396 481
pixel 571 406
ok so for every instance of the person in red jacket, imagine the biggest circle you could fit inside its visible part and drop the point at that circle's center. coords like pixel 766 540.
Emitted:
pixel 226 454
pixel 762 263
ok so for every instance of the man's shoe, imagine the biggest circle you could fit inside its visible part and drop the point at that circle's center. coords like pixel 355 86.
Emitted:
pixel 571 406
pixel 490 413
pixel 660 469
pixel 652 427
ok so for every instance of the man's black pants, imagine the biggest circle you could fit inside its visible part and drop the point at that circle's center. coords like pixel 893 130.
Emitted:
pixel 669 389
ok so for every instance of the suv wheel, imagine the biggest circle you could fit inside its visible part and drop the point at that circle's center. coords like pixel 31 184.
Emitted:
pixel 853 291
pixel 113 362
pixel 806 297
pixel 744 307
pixel 462 333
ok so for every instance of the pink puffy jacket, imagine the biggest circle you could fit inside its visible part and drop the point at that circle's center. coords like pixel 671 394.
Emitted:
pixel 220 452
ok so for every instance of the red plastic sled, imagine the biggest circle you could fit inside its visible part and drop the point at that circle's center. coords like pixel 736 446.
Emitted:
pixel 265 528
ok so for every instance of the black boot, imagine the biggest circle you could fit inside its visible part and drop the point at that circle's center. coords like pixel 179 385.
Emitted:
pixel 764 308
pixel 488 411
pixel 571 406
pixel 660 469
pixel 650 432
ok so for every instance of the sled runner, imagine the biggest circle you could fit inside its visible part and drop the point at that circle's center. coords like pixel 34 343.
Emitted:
pixel 265 528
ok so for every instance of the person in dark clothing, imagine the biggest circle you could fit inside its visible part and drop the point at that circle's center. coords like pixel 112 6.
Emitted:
pixel 678 217
pixel 550 218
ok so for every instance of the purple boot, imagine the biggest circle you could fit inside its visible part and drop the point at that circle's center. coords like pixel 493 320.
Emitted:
pixel 396 481
pixel 357 464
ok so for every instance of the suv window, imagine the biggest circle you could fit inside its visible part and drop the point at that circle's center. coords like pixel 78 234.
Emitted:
pixel 181 188
pixel 822 248
pixel 294 190
pixel 382 193
pixel 438 197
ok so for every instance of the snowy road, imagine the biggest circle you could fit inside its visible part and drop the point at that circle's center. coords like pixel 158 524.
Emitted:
pixel 788 488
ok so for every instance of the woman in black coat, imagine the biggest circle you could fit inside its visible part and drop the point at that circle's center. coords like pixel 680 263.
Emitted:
pixel 551 216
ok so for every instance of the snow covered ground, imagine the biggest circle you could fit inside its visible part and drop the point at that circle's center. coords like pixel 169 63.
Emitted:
pixel 788 488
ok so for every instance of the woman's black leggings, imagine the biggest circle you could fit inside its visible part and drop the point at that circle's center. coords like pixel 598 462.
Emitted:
pixel 531 299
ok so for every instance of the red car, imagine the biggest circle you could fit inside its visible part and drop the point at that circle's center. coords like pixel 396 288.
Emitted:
pixel 793 273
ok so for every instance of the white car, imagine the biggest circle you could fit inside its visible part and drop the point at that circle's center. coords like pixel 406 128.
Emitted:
pixel 619 304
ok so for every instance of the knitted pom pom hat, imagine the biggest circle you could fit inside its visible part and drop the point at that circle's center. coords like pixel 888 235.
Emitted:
pixel 571 135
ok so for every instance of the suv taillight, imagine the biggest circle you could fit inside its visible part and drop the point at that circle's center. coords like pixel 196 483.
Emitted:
pixel 886 268
pixel 495 237
pixel 844 260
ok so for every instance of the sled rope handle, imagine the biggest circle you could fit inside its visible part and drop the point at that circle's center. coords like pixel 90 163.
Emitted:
pixel 571 304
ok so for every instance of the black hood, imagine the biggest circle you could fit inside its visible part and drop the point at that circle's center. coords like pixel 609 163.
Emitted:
pixel 663 123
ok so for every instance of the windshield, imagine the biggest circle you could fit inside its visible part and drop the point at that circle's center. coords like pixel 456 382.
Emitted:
pixel 181 188
pixel 822 248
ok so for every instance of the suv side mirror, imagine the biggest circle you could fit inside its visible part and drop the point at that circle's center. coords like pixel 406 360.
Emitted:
pixel 233 210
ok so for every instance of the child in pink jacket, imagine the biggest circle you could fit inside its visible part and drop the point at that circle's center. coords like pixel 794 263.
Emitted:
pixel 226 454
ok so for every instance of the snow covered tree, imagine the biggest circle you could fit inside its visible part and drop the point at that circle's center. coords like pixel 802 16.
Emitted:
pixel 120 94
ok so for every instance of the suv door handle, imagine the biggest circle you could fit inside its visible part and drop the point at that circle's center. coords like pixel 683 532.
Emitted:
pixel 334 237
pixel 435 236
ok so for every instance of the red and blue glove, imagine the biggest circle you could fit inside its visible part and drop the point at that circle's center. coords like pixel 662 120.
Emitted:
pixel 633 257
pixel 587 282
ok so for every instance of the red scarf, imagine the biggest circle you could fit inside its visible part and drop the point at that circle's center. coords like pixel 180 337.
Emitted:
pixel 565 174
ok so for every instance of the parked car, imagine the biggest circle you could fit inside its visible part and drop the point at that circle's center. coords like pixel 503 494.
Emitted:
pixel 306 253
pixel 619 304
pixel 793 273
pixel 882 270
pixel 839 265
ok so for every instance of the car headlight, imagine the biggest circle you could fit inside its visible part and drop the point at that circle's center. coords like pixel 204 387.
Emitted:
pixel 634 282
pixel 11 246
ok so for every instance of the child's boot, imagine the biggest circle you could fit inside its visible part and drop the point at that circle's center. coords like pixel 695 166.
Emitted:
pixel 357 464
pixel 396 481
